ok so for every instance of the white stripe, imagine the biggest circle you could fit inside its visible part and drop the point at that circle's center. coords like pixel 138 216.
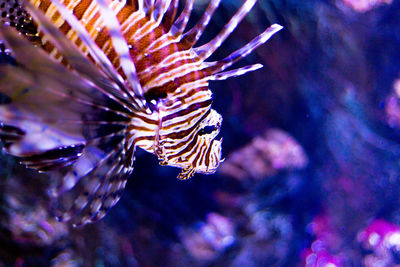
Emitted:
pixel 121 48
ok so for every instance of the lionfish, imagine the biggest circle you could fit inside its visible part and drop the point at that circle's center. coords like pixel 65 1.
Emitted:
pixel 103 78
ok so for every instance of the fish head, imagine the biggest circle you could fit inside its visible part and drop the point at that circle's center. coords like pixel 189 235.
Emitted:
pixel 200 151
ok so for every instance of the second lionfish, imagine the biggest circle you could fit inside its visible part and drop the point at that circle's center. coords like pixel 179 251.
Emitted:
pixel 108 77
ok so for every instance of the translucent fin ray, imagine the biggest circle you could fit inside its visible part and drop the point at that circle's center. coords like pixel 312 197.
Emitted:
pixel 161 7
pixel 93 156
pixel 110 191
pixel 121 48
pixel 191 37
pixel 97 192
pixel 180 24
pixel 32 88
pixel 169 16
pixel 248 48
pixel 89 185
pixel 98 55
pixel 53 158
pixel 209 48
pixel 76 59
pixel 148 7
pixel 236 72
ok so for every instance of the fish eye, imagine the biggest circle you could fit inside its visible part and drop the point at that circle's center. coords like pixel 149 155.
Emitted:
pixel 207 130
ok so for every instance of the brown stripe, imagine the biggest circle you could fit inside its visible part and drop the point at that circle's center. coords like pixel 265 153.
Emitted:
pixel 192 76
pixel 188 110
pixel 155 58
pixel 170 87
pixel 188 148
pixel 179 135
pixel 80 8
pixel 169 16
pixel 48 47
pixel 89 25
pixel 65 28
pixel 160 91
pixel 44 5
pixel 140 128
pixel 207 156
pixel 147 120
pixel 187 121
pixel 78 42
pixel 102 37
pixel 55 16
pixel 189 93
pixel 125 12
pixel 199 154
pixel 133 29
pixel 141 138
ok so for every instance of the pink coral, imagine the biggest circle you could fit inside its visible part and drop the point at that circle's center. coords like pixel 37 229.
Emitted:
pixel 365 5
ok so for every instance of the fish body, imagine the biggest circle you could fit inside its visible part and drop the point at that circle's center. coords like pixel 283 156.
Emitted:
pixel 107 77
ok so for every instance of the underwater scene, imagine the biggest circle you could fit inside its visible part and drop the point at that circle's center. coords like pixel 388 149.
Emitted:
pixel 200 133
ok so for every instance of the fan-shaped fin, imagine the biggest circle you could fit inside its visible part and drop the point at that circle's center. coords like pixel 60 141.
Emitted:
pixel 110 191
pixel 37 112
pixel 98 55
pixel 51 110
pixel 77 60
pixel 53 158
pixel 93 156
pixel 47 97
pixel 38 66
pixel 99 189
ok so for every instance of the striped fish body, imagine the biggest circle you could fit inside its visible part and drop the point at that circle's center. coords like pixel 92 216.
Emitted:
pixel 133 78
pixel 171 74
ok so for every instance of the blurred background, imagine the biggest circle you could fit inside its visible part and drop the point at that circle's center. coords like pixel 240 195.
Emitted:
pixel 312 170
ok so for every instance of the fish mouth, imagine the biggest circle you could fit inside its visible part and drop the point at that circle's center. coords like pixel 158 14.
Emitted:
pixel 213 158
pixel 217 144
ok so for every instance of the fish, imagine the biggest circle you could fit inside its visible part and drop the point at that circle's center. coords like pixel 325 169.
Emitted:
pixel 108 77
pixel 14 14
